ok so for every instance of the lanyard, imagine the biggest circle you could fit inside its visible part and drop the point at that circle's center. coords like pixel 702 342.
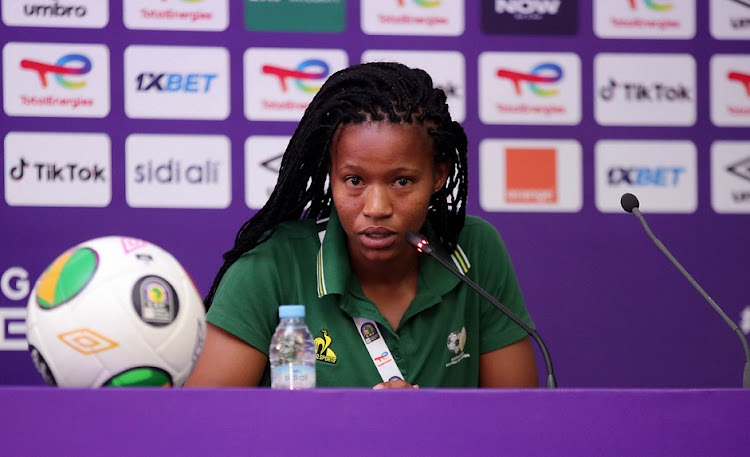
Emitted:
pixel 378 349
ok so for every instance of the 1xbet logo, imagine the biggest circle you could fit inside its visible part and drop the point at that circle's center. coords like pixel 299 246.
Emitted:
pixel 300 74
pixel 60 69
pixel 175 82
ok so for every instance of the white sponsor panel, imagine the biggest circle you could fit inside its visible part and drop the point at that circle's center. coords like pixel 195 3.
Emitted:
pixel 263 155
pixel 645 89
pixel 58 80
pixel 178 171
pixel 281 82
pixel 57 169
pixel 670 19
pixel 412 17
pixel 662 174
pixel 210 15
pixel 92 14
pixel 730 176
pixel 530 88
pixel 447 69
pixel 527 175
pixel 730 19
pixel 177 82
pixel 730 90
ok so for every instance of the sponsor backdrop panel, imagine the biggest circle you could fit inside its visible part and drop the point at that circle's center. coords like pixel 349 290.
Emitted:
pixel 167 121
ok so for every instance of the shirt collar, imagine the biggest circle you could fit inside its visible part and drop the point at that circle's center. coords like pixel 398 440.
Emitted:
pixel 333 257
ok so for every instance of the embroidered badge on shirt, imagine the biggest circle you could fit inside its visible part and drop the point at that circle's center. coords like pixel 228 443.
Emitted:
pixel 456 342
pixel 323 352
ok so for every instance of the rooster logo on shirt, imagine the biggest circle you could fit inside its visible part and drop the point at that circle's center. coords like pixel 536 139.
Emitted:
pixel 323 351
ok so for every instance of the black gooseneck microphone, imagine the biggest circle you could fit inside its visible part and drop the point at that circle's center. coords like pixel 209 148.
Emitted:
pixel 630 204
pixel 422 245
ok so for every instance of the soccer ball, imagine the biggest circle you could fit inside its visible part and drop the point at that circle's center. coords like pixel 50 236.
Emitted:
pixel 115 311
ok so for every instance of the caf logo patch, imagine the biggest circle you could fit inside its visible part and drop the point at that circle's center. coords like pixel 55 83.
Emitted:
pixel 369 332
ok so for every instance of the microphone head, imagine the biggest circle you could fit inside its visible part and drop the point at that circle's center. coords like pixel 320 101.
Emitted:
pixel 628 202
pixel 418 241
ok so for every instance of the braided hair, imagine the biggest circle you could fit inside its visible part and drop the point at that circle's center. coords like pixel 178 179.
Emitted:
pixel 380 92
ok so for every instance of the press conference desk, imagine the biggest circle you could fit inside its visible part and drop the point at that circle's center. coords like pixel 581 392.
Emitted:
pixel 330 422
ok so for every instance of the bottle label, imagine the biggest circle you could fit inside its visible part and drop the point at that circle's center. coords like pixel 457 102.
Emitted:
pixel 293 376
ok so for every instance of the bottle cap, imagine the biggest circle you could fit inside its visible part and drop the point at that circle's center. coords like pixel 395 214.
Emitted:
pixel 291 311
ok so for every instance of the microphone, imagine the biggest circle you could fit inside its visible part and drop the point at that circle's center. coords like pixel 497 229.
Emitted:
pixel 422 245
pixel 630 204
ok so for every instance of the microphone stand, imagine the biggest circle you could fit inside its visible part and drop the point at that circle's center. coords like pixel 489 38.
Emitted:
pixel 422 245
pixel 631 205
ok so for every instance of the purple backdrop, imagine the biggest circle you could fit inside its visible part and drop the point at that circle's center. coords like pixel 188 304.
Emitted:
pixel 611 308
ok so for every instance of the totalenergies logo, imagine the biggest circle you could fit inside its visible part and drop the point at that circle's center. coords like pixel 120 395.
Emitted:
pixel 651 4
pixel 544 73
pixel 742 78
pixel 59 69
pixel 309 70
pixel 422 3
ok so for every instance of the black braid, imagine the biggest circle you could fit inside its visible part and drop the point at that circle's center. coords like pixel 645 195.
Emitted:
pixel 382 91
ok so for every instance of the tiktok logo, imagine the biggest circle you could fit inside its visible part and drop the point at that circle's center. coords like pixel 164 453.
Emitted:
pixel 59 70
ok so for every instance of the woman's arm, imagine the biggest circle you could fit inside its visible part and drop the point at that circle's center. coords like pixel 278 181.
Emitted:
pixel 510 366
pixel 227 361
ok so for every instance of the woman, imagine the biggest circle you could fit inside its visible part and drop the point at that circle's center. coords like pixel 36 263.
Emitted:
pixel 375 155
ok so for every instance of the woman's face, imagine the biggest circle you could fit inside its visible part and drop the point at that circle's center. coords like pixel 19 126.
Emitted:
pixel 382 177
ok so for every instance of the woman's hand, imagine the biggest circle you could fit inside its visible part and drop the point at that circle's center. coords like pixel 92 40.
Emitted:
pixel 395 384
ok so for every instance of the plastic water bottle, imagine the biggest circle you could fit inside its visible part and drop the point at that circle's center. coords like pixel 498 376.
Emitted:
pixel 292 353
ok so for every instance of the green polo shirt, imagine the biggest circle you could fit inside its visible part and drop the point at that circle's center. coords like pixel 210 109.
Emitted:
pixel 440 337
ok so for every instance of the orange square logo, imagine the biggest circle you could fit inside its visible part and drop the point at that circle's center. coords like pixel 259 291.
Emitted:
pixel 530 175
pixel 86 341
